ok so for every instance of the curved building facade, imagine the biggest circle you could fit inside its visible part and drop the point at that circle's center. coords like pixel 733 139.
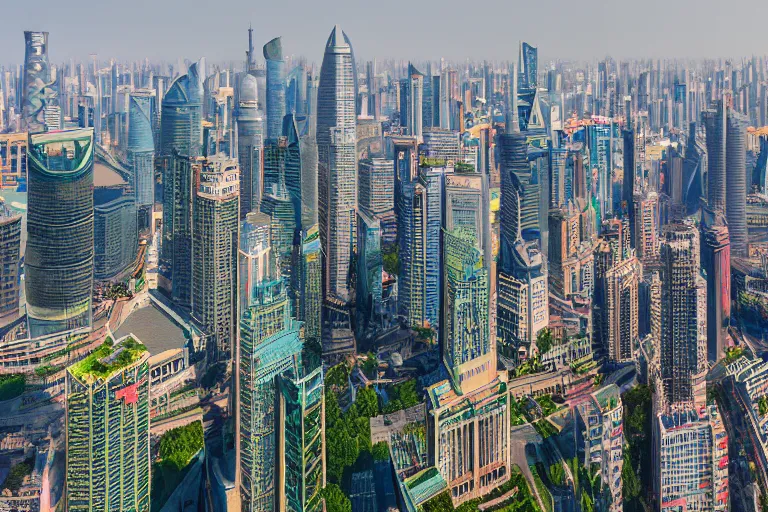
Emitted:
pixel 59 253
pixel 337 162
pixel 181 121
pixel 273 53
pixel 141 146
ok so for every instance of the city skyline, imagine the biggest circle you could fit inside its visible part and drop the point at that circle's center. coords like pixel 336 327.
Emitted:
pixel 576 31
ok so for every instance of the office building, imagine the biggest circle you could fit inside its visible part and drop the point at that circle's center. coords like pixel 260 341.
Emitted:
pixel 107 429
pixel 529 66
pixel 214 252
pixel 13 161
pixel 411 102
pixel 369 270
pixel 441 146
pixel 10 264
pixel 716 264
pixel 176 246
pixel 115 234
pixel 680 313
pixel 273 54
pixel 181 126
pixel 310 301
pixel 337 162
pixel 141 146
pixel 736 182
pixel 59 253
pixel 250 145
pixel 377 182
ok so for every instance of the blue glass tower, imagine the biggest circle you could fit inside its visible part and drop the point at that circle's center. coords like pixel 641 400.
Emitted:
pixel 141 146
pixel 181 120
pixel 273 53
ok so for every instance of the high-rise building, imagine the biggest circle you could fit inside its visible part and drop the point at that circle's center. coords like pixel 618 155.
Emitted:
pixel 107 429
pixel 529 66
pixel 273 53
pixel 215 252
pixel 115 234
pixel 470 465
pixel 646 227
pixel 281 438
pixel 337 162
pixel 377 182
pixel 59 252
pixel 176 247
pixel 716 263
pixel 715 122
pixel 310 300
pixel 736 182
pixel 255 258
pixel 181 126
pixel 680 321
pixel 615 308
pixel 411 102
pixel 10 264
pixel 141 146
pixel 369 270
pixel 250 145
pixel 38 91
pixel 441 146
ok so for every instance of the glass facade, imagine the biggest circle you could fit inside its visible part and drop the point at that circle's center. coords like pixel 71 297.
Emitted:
pixel 38 89
pixel 60 245
pixel 115 237
pixel 181 121
pixel 273 53
pixel 337 162
pixel 250 144
pixel 141 146
pixel 10 264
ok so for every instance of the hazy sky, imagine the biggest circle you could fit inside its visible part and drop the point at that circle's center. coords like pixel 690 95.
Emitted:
pixel 417 29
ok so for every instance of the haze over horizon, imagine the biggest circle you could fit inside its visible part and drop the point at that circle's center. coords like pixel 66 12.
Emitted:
pixel 575 30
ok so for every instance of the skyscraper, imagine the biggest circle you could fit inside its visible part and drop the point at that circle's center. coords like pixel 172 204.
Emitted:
pixel 115 234
pixel 376 193
pixel 59 253
pixel 176 248
pixel 273 53
pixel 716 263
pixel 107 429
pixel 715 122
pixel 38 89
pixel 736 182
pixel 337 162
pixel 10 264
pixel 411 103
pixel 141 146
pixel 679 313
pixel 250 145
pixel 214 252
pixel 280 429
pixel 181 120
pixel 529 66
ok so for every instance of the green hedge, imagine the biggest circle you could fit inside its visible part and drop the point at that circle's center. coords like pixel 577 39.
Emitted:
pixel 12 386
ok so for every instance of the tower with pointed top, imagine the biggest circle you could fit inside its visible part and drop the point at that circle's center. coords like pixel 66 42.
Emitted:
pixel 337 163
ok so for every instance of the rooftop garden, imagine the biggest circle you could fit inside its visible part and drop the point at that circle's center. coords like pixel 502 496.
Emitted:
pixel 18 473
pixel 108 359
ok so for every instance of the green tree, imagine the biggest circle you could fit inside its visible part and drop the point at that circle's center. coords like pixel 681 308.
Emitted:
pixel 544 340
pixel 370 366
pixel 367 402
pixel 337 376
pixel 179 445
pixel 335 499
pixel 380 451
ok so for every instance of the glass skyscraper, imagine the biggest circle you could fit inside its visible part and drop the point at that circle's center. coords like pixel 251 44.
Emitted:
pixel 141 146
pixel 250 145
pixel 181 120
pixel 59 253
pixel 273 53
pixel 337 162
